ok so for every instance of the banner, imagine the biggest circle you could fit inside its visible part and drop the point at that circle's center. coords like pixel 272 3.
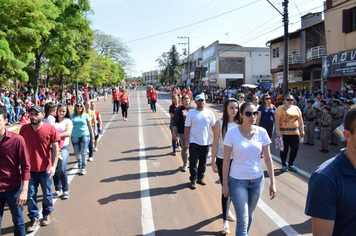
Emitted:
pixel 341 64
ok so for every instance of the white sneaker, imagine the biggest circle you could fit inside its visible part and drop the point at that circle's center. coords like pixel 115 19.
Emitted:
pixel 96 150
pixel 90 159
pixel 184 169
pixel 225 229
pixel 231 216
pixel 57 193
pixel 83 171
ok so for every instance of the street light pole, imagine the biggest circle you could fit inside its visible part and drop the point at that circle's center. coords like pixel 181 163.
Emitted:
pixel 188 76
pixel 286 41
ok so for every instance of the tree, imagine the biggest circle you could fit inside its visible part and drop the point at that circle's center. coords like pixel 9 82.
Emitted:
pixel 112 47
pixel 170 65
pixel 23 24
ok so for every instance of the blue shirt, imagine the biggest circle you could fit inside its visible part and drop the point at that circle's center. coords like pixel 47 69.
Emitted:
pixel 80 126
pixel 332 194
pixel 267 115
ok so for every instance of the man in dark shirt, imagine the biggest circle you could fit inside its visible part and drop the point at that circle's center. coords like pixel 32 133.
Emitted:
pixel 13 183
pixel 332 188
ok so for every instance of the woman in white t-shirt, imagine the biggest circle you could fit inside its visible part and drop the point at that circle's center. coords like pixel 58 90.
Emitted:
pixel 64 128
pixel 245 181
pixel 230 119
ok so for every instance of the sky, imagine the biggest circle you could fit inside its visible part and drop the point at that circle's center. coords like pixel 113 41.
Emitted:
pixel 150 27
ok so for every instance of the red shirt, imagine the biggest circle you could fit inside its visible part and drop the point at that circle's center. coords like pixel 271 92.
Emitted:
pixel 149 91
pixel 116 96
pixel 97 113
pixel 124 98
pixel 154 96
pixel 38 144
pixel 13 153
pixel 86 95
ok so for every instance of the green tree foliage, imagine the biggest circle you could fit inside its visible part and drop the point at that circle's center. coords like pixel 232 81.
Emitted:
pixel 23 24
pixel 170 65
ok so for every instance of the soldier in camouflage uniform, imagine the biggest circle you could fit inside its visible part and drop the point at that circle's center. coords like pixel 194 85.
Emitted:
pixel 336 115
pixel 325 122
pixel 319 114
pixel 310 116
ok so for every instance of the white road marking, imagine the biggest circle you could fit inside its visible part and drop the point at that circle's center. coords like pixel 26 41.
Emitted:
pixel 282 224
pixel 146 215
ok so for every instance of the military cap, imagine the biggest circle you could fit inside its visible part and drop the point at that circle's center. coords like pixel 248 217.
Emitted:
pixel 323 100
pixel 350 101
pixel 310 100
pixel 327 108
pixel 336 100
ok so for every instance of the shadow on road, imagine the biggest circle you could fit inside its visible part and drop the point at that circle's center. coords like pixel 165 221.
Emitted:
pixel 146 149
pixel 302 229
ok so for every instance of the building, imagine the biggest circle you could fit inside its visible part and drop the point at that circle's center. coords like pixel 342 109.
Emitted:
pixel 228 65
pixel 150 77
pixel 195 70
pixel 307 46
pixel 339 67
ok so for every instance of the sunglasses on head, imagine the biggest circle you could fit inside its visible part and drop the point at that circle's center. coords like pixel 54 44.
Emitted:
pixel 289 100
pixel 250 113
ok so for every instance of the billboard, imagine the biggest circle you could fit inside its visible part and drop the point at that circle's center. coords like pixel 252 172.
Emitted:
pixel 339 65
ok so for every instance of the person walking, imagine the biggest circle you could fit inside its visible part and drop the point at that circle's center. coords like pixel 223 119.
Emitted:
pixel 230 119
pixel 153 99
pixel 64 127
pixel 336 115
pixel 197 139
pixel 93 125
pixel 116 100
pixel 325 131
pixel 125 103
pixel 331 188
pixel 178 127
pixel 289 123
pixel 40 137
pixel 99 129
pixel 244 180
pixel 172 109
pixel 265 117
pixel 81 135
pixel 14 174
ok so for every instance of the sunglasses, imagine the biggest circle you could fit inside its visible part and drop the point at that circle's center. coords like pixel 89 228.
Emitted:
pixel 267 98
pixel 78 106
pixel 289 100
pixel 250 113
pixel 242 97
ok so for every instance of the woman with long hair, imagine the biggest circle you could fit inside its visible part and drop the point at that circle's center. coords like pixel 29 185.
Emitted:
pixel 265 117
pixel 125 103
pixel 230 119
pixel 243 178
pixel 172 108
pixel 289 123
pixel 80 135
pixel 178 127
pixel 64 128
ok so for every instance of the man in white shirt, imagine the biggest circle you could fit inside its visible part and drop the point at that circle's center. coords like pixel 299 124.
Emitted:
pixel 197 139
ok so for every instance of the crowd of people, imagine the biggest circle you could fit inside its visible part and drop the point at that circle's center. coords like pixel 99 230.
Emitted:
pixel 40 152
pixel 244 133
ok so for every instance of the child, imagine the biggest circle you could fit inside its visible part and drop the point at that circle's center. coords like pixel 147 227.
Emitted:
pixel 310 115
pixel 325 122
pixel 50 112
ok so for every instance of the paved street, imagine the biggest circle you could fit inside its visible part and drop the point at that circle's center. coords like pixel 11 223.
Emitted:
pixel 135 187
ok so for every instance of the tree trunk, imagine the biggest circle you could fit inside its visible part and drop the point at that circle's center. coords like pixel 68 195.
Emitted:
pixel 37 76
pixel 61 88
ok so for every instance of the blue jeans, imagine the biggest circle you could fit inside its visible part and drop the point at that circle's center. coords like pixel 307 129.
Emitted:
pixel 10 198
pixel 80 145
pixel 197 152
pixel 174 142
pixel 12 115
pixel 245 194
pixel 18 112
pixel 116 106
pixel 38 178
pixel 60 178
pixel 153 105
pixel 91 145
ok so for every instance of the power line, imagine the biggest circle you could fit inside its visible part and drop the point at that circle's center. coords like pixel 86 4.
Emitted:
pixel 169 31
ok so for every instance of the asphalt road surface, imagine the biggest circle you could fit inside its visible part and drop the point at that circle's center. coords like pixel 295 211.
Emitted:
pixel 134 186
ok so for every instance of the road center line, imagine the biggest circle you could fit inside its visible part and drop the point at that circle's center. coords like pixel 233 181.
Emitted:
pixel 282 224
pixel 148 228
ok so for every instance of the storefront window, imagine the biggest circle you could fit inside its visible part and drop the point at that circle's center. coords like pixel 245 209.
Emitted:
pixel 212 69
pixel 231 66
pixel 205 70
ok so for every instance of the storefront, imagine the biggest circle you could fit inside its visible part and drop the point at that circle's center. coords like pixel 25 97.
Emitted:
pixel 339 69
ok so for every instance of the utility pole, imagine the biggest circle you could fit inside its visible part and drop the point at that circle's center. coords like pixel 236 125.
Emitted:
pixel 286 41
pixel 188 76
pixel 286 54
